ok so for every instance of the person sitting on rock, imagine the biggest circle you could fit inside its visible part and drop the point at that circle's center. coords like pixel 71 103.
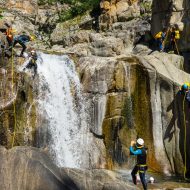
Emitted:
pixel 160 38
pixel 141 167
pixel 22 40
pixel 32 62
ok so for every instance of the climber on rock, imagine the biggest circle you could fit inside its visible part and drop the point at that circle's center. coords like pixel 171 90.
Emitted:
pixel 175 36
pixel 160 38
pixel 141 167
pixel 185 88
pixel 22 40
pixel 32 62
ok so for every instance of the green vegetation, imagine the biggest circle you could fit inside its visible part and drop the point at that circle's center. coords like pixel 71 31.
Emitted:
pixel 76 7
pixel 1 12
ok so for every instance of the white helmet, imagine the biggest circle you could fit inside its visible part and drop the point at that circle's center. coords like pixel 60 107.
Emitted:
pixel 140 141
pixel 151 180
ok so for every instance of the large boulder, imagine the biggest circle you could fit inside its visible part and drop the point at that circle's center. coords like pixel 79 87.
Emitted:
pixel 29 168
pixel 132 96
pixel 27 7
pixel 113 11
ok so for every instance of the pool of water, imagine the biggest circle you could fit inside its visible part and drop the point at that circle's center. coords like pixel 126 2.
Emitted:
pixel 159 178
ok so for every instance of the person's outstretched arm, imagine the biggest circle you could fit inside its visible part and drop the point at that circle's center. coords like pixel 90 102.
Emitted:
pixel 135 152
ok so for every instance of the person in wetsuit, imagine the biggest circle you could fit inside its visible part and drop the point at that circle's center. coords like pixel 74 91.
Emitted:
pixel 32 62
pixel 141 152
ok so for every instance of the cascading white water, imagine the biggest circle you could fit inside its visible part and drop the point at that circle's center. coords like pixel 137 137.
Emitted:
pixel 61 99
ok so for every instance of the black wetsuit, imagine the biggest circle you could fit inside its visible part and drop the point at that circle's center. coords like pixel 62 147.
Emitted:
pixel 32 63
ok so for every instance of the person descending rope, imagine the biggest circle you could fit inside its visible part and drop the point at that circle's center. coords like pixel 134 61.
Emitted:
pixel 175 36
pixel 141 167
pixel 160 37
pixel 185 90
pixel 22 40
pixel 32 62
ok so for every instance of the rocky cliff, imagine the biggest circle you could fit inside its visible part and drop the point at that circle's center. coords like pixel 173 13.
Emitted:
pixel 18 109
pixel 131 92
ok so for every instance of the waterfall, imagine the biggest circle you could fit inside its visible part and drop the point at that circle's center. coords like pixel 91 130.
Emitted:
pixel 62 105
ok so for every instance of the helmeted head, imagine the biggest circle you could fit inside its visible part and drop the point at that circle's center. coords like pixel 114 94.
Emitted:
pixel 140 142
pixel 185 87
pixel 33 52
pixel 32 38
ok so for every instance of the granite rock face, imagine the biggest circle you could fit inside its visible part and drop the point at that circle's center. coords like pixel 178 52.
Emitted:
pixel 17 104
pixel 130 91
pixel 136 96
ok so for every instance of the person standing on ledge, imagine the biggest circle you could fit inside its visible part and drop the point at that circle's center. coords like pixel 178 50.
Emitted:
pixel 160 39
pixel 138 149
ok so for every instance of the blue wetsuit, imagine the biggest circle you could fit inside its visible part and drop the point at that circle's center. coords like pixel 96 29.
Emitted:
pixel 135 152
pixel 140 166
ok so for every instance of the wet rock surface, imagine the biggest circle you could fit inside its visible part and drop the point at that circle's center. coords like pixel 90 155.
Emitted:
pixel 30 168
pixel 130 91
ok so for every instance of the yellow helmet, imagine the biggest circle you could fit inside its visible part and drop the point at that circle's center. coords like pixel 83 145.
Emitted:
pixel 32 38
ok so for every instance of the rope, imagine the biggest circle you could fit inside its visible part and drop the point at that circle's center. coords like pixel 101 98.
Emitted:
pixel 14 106
pixel 163 43
pixel 3 87
pixel 185 139
pixel 176 47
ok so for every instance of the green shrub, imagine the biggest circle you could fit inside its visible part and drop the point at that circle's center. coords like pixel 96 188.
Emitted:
pixel 77 7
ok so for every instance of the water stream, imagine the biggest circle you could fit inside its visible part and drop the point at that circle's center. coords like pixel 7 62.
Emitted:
pixel 62 105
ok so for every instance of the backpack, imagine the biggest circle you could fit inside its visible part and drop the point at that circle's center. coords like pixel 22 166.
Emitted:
pixel 177 35
pixel 158 35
